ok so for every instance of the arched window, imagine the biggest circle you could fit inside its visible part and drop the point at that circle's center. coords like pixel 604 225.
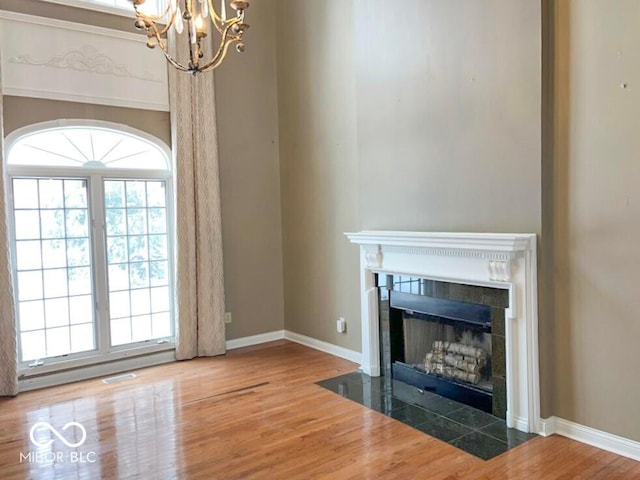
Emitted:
pixel 91 240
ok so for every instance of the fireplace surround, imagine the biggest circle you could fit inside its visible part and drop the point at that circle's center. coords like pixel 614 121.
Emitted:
pixel 498 260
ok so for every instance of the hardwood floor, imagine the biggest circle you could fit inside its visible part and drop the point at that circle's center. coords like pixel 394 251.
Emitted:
pixel 255 413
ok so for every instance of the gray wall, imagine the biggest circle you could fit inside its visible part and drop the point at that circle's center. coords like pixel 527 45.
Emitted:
pixel 247 111
pixel 597 207
pixel 448 118
pixel 319 168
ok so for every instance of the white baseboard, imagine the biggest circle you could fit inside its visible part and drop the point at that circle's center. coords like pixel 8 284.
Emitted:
pixel 591 436
pixel 326 347
pixel 255 339
pixel 518 423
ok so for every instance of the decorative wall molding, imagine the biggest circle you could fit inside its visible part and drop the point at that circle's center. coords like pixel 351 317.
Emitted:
pixel 85 59
pixel 590 436
pixel 500 260
pixel 59 60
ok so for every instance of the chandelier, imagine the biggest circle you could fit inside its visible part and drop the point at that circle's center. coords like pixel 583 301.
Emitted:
pixel 192 19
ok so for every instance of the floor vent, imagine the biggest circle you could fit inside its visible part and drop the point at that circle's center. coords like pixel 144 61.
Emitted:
pixel 119 378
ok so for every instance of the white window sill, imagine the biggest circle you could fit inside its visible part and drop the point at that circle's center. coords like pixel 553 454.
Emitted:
pixel 69 371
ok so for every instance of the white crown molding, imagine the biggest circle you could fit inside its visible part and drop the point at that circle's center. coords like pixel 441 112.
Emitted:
pixel 590 436
pixel 113 10
pixel 254 339
pixel 76 27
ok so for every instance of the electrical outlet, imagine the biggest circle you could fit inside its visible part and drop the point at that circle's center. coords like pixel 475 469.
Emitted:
pixel 341 325
pixel 227 317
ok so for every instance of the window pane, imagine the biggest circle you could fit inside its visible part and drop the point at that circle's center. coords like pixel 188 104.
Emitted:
pixel 116 222
pixel 33 345
pixel 25 193
pixel 79 281
pixel 51 195
pixel 139 274
pixel 156 195
pixel 117 250
pixel 31 315
pixel 158 247
pixel 138 248
pixel 52 222
pixel 141 328
pixel 55 283
pixel 54 254
pixel 118 277
pixel 82 338
pixel 77 224
pixel 161 324
pixel 78 252
pixel 80 309
pixel 56 312
pixel 28 255
pixel 136 194
pixel 159 273
pixel 27 224
pixel 157 220
pixel 30 285
pixel 140 302
pixel 113 194
pixel 120 331
pixel 160 299
pixel 136 221
pixel 58 341
pixel 119 304
pixel 75 193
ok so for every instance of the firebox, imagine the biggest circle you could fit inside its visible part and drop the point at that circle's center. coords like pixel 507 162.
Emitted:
pixel 442 342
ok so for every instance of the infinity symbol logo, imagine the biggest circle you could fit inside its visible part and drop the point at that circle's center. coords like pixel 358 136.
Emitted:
pixel 57 434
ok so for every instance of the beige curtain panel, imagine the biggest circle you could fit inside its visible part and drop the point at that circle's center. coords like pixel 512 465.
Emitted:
pixel 200 329
pixel 8 345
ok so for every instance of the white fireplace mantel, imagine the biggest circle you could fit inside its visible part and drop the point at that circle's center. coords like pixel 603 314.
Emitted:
pixel 499 260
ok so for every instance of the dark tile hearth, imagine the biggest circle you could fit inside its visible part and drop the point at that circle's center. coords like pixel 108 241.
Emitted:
pixel 471 430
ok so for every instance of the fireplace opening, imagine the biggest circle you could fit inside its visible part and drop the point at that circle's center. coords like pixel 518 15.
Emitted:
pixel 444 345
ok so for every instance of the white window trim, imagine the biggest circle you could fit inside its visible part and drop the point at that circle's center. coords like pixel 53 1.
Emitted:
pixel 98 7
pixel 96 357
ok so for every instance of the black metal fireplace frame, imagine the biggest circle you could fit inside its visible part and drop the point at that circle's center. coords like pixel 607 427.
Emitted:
pixel 476 316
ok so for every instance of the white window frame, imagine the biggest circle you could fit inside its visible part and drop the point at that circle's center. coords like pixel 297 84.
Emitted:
pixel 99 7
pixel 103 352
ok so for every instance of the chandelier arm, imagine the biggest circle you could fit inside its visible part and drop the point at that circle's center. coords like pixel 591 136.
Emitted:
pixel 159 33
pixel 165 51
pixel 215 19
pixel 175 63
pixel 221 53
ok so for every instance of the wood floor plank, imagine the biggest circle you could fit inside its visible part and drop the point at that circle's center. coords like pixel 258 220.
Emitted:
pixel 255 413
